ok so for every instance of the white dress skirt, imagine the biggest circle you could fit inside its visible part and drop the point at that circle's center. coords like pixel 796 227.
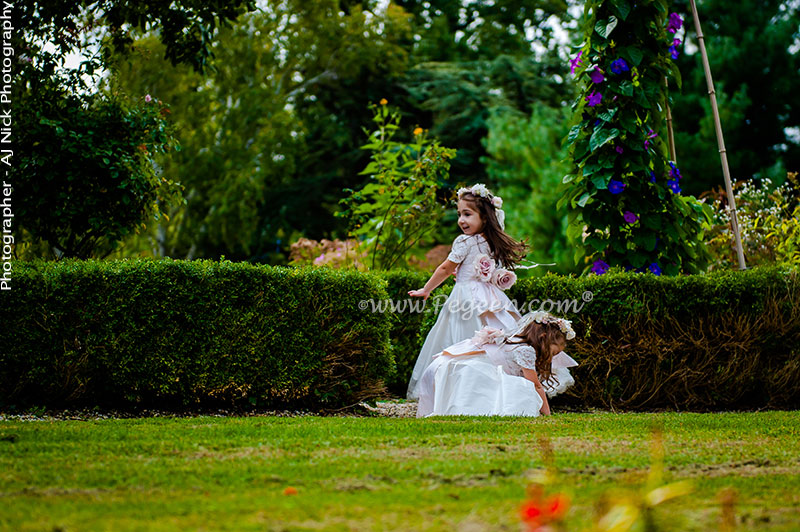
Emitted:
pixel 485 379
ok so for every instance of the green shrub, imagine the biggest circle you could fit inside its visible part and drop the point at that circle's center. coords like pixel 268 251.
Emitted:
pixel 155 332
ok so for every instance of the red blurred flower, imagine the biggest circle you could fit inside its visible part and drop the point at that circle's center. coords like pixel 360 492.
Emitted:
pixel 537 512
pixel 557 505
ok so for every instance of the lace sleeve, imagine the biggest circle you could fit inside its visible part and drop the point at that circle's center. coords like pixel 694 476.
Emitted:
pixel 525 356
pixel 459 250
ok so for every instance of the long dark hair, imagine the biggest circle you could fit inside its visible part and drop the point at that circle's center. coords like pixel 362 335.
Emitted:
pixel 541 336
pixel 505 249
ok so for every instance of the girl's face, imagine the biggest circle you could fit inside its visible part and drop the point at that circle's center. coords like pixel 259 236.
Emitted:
pixel 468 218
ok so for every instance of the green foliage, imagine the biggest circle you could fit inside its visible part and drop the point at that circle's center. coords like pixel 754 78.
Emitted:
pixel 769 224
pixel 84 169
pixel 272 136
pixel 84 179
pixel 620 161
pixel 526 160
pixel 456 31
pixel 146 333
pixel 398 206
pixel 186 27
pixel 143 332
pixel 462 96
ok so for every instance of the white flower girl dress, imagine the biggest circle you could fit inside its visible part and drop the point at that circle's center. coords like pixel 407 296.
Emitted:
pixel 477 300
pixel 482 376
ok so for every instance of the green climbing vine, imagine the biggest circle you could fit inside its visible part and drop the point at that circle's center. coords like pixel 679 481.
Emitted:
pixel 623 192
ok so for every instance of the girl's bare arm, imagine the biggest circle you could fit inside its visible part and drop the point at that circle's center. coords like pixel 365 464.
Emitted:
pixel 442 272
pixel 531 375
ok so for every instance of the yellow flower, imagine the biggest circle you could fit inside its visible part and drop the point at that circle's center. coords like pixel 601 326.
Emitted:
pixel 383 101
pixel 418 131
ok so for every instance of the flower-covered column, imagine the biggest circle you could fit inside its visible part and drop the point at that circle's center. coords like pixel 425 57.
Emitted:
pixel 623 193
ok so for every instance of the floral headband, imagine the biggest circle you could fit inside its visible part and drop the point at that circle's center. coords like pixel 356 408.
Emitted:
pixel 540 316
pixel 497 202
pixel 481 190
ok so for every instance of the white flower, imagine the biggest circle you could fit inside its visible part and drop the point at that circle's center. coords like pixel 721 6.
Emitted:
pixel 148 98
pixel 565 326
pixel 480 190
pixel 497 201
pixel 488 335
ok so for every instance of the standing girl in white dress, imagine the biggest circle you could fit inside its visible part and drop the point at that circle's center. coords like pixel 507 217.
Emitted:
pixel 483 259
pixel 500 374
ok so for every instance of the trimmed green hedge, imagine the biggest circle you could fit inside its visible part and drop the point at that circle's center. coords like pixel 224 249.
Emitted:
pixel 165 332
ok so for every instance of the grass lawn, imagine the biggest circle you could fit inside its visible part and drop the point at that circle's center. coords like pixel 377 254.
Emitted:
pixel 351 473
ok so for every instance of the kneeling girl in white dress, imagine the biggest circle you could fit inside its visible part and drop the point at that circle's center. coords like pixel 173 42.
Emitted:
pixel 500 374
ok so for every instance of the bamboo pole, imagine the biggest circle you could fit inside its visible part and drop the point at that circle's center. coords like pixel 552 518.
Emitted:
pixel 673 155
pixel 720 141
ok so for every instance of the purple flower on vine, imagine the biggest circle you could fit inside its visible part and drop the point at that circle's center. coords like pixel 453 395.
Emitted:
pixel 615 187
pixel 619 149
pixel 575 63
pixel 619 66
pixel 674 173
pixel 674 186
pixel 650 135
pixel 652 176
pixel 673 50
pixel 597 76
pixel 599 267
pixel 594 98
pixel 630 217
pixel 674 22
pixel 654 268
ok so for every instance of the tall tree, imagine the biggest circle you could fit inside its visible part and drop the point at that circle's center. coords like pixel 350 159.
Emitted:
pixel 474 59
pixel 754 52
pixel 272 137
pixel 84 177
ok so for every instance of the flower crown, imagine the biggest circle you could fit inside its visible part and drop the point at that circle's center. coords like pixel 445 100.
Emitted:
pixel 540 316
pixel 481 190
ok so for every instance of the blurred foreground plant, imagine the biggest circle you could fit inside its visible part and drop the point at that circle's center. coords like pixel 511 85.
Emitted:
pixel 618 511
